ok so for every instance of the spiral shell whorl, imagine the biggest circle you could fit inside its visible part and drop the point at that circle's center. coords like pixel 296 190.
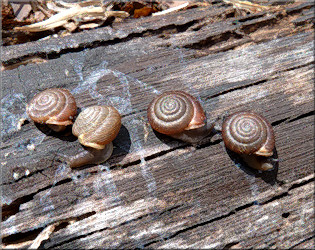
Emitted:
pixel 97 126
pixel 174 111
pixel 52 106
pixel 248 133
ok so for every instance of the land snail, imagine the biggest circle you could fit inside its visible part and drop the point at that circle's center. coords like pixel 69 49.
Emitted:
pixel 96 127
pixel 179 115
pixel 55 107
pixel 251 136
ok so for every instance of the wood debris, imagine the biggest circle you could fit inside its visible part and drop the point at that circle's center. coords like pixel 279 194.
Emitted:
pixel 247 6
pixel 172 9
pixel 44 235
pixel 73 15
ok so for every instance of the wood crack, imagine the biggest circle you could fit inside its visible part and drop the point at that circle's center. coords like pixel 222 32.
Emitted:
pixel 275 75
pixel 116 226
pixel 303 241
pixel 171 29
pixel 13 207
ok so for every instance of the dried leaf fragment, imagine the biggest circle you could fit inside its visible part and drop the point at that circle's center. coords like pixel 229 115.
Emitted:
pixel 145 11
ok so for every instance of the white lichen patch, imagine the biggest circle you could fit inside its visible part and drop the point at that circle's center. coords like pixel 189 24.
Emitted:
pixel 15 176
pixel 12 105
pixel 31 147
pixel 20 123
pixel 262 219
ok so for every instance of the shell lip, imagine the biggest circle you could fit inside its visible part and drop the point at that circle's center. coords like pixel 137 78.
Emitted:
pixel 196 125
pixel 264 152
pixel 90 144
pixel 53 120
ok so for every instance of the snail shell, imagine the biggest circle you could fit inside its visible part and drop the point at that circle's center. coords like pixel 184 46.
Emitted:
pixel 178 114
pixel 249 134
pixel 55 107
pixel 97 126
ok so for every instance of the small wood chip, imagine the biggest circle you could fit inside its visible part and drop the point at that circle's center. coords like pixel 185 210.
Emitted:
pixel 44 235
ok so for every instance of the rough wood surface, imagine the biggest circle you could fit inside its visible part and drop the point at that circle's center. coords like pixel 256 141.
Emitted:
pixel 157 192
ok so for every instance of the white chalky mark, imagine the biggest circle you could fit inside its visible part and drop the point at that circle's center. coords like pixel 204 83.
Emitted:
pixel 15 176
pixel 27 172
pixel 21 121
pixel 123 102
pixel 31 147
pixel 11 120
pixel 110 185
pixel 60 174
pixel 253 187
pixel 262 219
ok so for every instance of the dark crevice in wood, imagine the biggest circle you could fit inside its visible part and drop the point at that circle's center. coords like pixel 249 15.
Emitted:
pixel 311 113
pixel 212 40
pixel 14 207
pixel 285 215
pixel 300 7
pixel 151 157
pixel 100 230
pixel 23 177
pixel 171 29
pixel 208 144
pixel 280 196
pixel 276 123
pixel 231 244
pixel 22 237
pixel 169 210
pixel 258 83
pixel 134 113
pixel 301 242
pixel 260 23
pixel 300 184
pixel 237 88
pixel 251 17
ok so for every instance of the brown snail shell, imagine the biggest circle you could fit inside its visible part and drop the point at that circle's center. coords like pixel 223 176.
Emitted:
pixel 96 127
pixel 179 115
pixel 55 107
pixel 250 135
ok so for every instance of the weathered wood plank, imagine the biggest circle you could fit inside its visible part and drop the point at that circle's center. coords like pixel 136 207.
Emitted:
pixel 155 191
pixel 203 76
